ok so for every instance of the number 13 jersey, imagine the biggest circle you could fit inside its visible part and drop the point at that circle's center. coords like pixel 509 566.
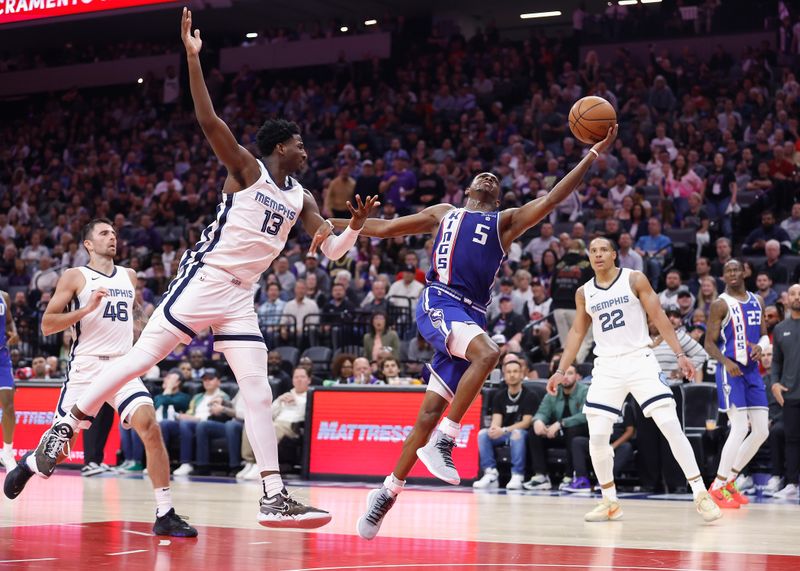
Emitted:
pixel 108 330
pixel 251 228
pixel 619 322
pixel 467 253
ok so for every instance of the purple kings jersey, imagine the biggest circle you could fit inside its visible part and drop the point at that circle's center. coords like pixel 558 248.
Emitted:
pixel 741 328
pixel 467 253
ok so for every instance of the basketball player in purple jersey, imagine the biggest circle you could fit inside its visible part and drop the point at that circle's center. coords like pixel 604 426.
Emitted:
pixel 470 245
pixel 8 336
pixel 737 334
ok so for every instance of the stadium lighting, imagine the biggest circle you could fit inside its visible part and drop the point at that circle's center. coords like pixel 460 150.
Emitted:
pixel 140 80
pixel 252 35
pixel 343 29
pixel 650 1
pixel 627 2
pixel 370 22
pixel 531 15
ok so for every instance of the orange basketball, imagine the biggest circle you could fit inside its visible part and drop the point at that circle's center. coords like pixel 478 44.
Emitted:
pixel 590 119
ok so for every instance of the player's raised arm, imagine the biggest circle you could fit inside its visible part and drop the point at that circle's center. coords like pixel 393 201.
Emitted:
pixel 651 304
pixel 573 342
pixel 516 221
pixel 334 247
pixel 423 222
pixel 241 164
pixel 55 319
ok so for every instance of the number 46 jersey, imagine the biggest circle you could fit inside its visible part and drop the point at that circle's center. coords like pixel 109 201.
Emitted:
pixel 619 322
pixel 108 330
pixel 467 253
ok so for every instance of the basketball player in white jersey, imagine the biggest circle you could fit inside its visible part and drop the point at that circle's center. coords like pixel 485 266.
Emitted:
pixel 216 282
pixel 97 302
pixel 616 304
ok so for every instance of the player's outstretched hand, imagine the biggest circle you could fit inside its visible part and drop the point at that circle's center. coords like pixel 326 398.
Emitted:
pixel 686 367
pixel 320 236
pixel 553 382
pixel 193 43
pixel 606 143
pixel 360 214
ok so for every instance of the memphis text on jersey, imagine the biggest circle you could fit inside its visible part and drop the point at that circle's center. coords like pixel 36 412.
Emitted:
pixel 605 304
pixel 276 206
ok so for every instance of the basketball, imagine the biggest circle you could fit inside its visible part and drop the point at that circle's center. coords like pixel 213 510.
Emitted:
pixel 590 119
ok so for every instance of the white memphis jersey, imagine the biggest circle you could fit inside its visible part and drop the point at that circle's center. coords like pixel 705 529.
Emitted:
pixel 108 330
pixel 619 322
pixel 251 228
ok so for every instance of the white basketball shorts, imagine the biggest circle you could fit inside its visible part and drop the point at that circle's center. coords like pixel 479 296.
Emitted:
pixel 84 370
pixel 636 373
pixel 203 296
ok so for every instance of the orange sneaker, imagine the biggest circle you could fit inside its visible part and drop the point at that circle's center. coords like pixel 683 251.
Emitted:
pixel 723 499
pixel 739 497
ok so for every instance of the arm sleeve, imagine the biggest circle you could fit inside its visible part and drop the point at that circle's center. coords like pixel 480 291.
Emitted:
pixel 334 247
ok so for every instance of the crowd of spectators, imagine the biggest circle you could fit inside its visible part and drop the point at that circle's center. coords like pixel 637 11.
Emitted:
pixel 706 150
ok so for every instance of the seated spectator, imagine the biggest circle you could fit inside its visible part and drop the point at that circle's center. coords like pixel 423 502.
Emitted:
pixel 184 426
pixel 669 296
pixel 45 278
pixel 512 409
pixel 299 308
pixel 792 224
pixel 290 408
pixel 380 339
pixel 197 359
pixel 654 249
pixel 341 369
pixel 772 266
pixel 542 242
pixel 419 353
pixel 756 241
pixel 362 373
pixel 508 323
pixel 270 312
pixel 702 268
pixel 226 419
pixel 764 288
pixel 696 218
pixel 724 255
pixel 375 300
pixel 707 295
pixel 627 257
pixel 406 287
pixel 558 420
pixel 39 369
pixel 506 289
pixel 686 307
pixel 666 357
pixel 522 293
pixel 390 371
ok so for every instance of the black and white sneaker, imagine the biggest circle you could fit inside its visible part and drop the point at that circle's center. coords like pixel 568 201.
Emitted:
pixel 17 478
pixel 53 442
pixel 282 510
pixel 379 502
pixel 173 525
pixel 92 469
pixel 437 455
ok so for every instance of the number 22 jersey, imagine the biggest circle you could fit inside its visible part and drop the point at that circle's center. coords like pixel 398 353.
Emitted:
pixel 619 322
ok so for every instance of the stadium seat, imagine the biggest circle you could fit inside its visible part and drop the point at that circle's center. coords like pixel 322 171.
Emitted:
pixel 321 358
pixel 287 353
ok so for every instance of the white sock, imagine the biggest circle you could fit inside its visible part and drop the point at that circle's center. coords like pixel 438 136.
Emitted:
pixel 163 501
pixel 697 485
pixel 272 484
pixel 394 485
pixel 8 447
pixel 450 428
pixel 610 494
pixel 719 483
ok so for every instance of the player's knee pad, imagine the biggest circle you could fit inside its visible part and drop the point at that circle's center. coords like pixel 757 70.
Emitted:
pixel 600 446
pixel 664 414
pixel 759 425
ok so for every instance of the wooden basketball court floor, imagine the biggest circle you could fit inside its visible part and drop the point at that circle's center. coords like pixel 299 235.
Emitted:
pixel 69 522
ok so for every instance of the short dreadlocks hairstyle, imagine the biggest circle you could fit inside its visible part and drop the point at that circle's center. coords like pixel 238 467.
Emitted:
pixel 273 132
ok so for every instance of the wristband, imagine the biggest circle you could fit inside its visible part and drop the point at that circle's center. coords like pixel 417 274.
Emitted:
pixel 560 372
pixel 763 342
pixel 329 223
pixel 679 355
pixel 596 154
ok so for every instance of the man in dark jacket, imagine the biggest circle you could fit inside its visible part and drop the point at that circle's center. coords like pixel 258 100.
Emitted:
pixel 571 273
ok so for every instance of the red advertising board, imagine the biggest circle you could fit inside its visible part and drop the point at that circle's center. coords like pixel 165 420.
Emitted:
pixel 22 10
pixel 361 433
pixel 35 406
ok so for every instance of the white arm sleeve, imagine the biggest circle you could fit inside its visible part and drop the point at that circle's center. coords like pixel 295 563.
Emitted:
pixel 334 247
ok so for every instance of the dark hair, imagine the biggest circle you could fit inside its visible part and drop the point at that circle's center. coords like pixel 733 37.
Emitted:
pixel 303 368
pixel 338 361
pixel 89 228
pixel 372 319
pixel 273 132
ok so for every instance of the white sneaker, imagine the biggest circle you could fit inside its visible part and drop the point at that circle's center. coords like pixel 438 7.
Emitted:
pixel 515 483
pixel 183 470
pixel 253 475
pixel 489 479
pixel 8 460
pixel 774 485
pixel 538 482
pixel 745 484
pixel 437 455
pixel 790 492
pixel 606 510
pixel 247 467
pixel 122 467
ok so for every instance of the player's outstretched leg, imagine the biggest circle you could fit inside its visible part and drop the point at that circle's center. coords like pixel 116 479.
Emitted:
pixel 380 501
pixel 17 478
pixel 437 455
pixel 602 455
pixel 667 421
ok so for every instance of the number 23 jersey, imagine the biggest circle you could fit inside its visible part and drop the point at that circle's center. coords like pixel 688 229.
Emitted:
pixel 108 330
pixel 619 322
